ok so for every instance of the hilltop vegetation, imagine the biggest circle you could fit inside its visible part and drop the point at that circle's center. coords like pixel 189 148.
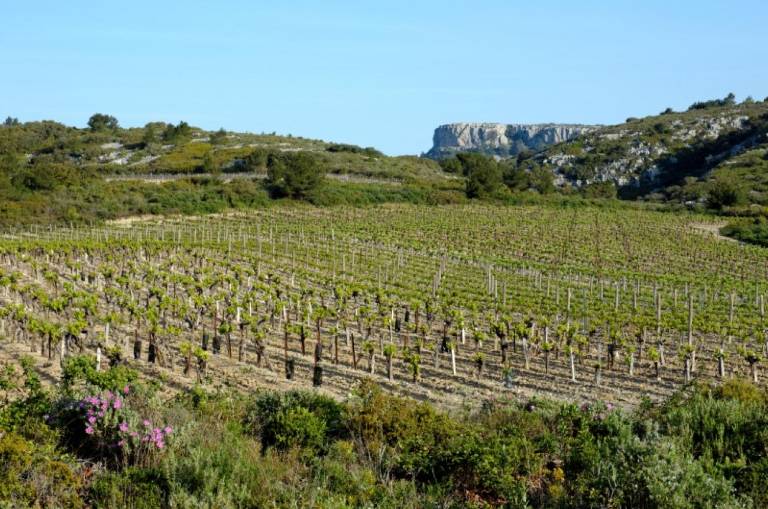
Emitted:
pixel 52 173
pixel 104 148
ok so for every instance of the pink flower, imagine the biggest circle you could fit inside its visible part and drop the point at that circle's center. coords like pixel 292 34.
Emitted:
pixel 168 430
pixel 126 389
pixel 160 444
pixel 147 423
pixel 92 419
pixel 117 404
pixel 121 443
pixel 89 430
pixel 124 427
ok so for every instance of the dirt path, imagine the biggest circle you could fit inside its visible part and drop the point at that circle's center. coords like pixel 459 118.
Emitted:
pixel 713 229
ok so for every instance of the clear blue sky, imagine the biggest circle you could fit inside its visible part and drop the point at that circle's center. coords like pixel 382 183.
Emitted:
pixel 375 73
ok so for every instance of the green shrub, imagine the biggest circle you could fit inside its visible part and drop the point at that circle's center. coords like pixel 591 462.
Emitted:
pixel 298 427
pixel 295 419
pixel 32 476
pixel 742 391
pixel 212 464
pixel 675 480
pixel 752 232
pixel 413 441
pixel 137 488
pixel 343 147
pixel 294 175
pixel 82 369
pixel 26 411
pixel 725 193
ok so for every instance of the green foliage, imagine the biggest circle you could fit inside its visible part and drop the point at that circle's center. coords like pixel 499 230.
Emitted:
pixel 36 475
pixel 185 158
pixel 706 448
pixel 516 177
pixel 363 194
pixel 256 161
pixel 22 412
pixel 675 479
pixel 725 193
pixel 416 442
pixel 728 100
pixel 542 181
pixel 740 391
pixel 82 369
pixel 177 134
pixel 101 122
pixel 218 137
pixel 753 231
pixel 723 429
pixel 342 147
pixel 600 190
pixel 293 175
pixel 139 488
pixel 295 419
pixel 50 173
pixel 151 133
pixel 209 164
pixel 451 165
pixel 100 200
pixel 483 175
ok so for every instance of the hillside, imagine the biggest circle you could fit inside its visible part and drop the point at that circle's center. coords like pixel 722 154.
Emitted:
pixel 52 173
pixel 671 156
pixel 714 153
pixel 161 148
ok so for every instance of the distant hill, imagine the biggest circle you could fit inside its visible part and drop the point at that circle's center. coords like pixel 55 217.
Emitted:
pixel 715 152
pixel 650 154
pixel 53 173
pixel 180 149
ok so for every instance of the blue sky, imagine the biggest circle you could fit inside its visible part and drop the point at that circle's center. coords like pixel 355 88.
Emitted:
pixel 375 73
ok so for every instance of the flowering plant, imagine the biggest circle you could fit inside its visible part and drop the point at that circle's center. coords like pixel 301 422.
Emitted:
pixel 599 411
pixel 115 428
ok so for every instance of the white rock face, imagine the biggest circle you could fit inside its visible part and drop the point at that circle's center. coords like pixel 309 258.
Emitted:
pixel 500 139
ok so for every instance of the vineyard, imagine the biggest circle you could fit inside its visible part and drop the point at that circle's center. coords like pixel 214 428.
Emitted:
pixel 451 304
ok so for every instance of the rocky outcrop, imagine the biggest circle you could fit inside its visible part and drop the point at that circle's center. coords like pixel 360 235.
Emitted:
pixel 502 140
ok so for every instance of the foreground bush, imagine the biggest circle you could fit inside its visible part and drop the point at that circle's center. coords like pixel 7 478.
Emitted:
pixel 704 448
pixel 36 476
